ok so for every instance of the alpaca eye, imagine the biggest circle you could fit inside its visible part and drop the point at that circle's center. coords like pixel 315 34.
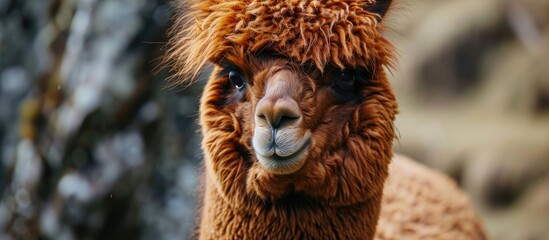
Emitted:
pixel 345 81
pixel 237 79
pixel 343 86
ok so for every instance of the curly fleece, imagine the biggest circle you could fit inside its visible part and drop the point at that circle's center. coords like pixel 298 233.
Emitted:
pixel 340 33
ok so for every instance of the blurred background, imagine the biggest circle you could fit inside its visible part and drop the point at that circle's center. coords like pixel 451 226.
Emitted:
pixel 93 145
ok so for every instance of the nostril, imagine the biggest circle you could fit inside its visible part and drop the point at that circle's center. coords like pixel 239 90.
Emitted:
pixel 278 120
pixel 277 113
pixel 286 120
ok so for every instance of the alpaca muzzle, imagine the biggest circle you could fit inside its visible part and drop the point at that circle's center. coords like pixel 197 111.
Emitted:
pixel 280 142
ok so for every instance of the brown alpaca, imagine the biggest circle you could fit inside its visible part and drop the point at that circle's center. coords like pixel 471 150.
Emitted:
pixel 297 118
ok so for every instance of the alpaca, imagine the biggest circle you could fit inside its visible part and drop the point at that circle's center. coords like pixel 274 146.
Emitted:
pixel 297 119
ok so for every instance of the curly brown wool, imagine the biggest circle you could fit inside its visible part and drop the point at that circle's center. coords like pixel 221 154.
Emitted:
pixel 297 120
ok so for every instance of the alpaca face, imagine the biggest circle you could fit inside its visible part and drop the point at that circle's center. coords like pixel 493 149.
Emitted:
pixel 282 127
pixel 298 101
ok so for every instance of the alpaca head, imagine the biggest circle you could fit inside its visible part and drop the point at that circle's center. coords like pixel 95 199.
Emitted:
pixel 298 101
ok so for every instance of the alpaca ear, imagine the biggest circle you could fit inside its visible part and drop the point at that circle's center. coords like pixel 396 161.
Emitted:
pixel 380 7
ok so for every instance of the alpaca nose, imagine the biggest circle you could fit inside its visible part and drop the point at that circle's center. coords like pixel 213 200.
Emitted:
pixel 277 112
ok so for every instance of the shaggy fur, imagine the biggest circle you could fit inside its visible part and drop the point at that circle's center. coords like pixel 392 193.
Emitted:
pixel 336 193
pixel 336 32
pixel 339 185
pixel 419 203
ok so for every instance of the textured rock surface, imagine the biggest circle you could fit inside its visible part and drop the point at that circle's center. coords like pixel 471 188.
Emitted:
pixel 92 146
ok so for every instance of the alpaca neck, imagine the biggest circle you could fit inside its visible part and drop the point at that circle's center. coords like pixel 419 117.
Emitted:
pixel 292 217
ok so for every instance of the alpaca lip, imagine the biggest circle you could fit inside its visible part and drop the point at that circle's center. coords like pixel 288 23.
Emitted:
pixel 280 158
pixel 285 165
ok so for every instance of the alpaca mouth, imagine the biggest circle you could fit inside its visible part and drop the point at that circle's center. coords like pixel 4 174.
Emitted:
pixel 277 164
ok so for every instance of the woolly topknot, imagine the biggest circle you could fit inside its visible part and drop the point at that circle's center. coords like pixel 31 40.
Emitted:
pixel 332 32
